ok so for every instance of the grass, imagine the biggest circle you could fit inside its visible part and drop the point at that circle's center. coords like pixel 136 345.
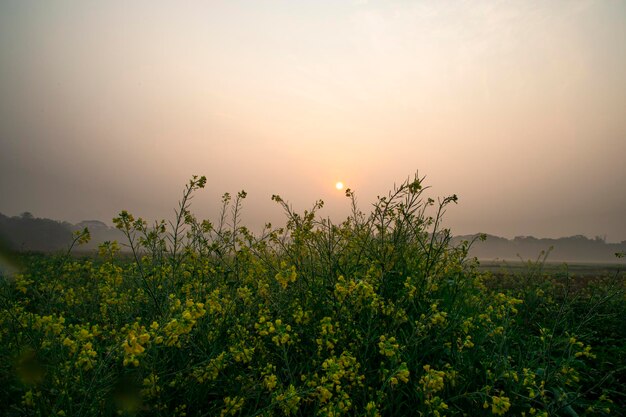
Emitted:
pixel 377 315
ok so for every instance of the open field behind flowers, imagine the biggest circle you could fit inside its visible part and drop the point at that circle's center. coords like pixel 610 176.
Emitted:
pixel 376 316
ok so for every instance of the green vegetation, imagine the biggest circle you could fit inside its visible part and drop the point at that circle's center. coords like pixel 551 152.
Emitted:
pixel 378 315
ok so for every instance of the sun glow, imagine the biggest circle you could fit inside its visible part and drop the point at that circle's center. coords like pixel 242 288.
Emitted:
pixel 339 185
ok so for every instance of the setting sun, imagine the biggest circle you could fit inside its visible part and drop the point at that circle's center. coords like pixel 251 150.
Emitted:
pixel 339 185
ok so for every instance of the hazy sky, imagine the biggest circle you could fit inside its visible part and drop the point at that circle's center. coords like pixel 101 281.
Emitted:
pixel 518 107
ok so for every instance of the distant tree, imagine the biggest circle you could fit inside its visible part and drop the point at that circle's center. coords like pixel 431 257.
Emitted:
pixel 27 233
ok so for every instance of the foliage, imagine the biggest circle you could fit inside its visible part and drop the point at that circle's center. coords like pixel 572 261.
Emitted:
pixel 34 234
pixel 378 315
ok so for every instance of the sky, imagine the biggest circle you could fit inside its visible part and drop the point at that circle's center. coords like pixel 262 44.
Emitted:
pixel 518 107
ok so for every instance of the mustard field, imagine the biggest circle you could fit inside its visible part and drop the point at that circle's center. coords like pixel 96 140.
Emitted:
pixel 375 316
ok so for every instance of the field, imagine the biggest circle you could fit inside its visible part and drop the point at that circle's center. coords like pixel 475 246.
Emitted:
pixel 376 316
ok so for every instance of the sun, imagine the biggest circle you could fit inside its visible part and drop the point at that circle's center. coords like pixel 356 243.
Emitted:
pixel 339 185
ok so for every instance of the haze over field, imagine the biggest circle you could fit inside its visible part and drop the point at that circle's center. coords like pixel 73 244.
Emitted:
pixel 517 107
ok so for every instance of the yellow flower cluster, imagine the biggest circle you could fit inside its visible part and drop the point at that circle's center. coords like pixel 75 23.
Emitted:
pixel 134 344
pixel 506 304
pixel 245 294
pixel 500 405
pixel 436 406
pixel 300 316
pixel 86 357
pixel 388 346
pixel 358 293
pixel 151 388
pixel 239 349
pixel 327 336
pixel 184 323
pixel 432 381
pixel 216 302
pixel 211 370
pixel 288 400
pixel 586 352
pixel 22 283
pixel 82 342
pixel 529 382
pixel 433 319
pixel 402 374
pixel 50 325
pixel 232 406
pixel 286 275
pixel 571 375
pixel 332 386
pixel 277 329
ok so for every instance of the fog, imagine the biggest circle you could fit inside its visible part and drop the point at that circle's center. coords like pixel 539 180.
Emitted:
pixel 517 107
